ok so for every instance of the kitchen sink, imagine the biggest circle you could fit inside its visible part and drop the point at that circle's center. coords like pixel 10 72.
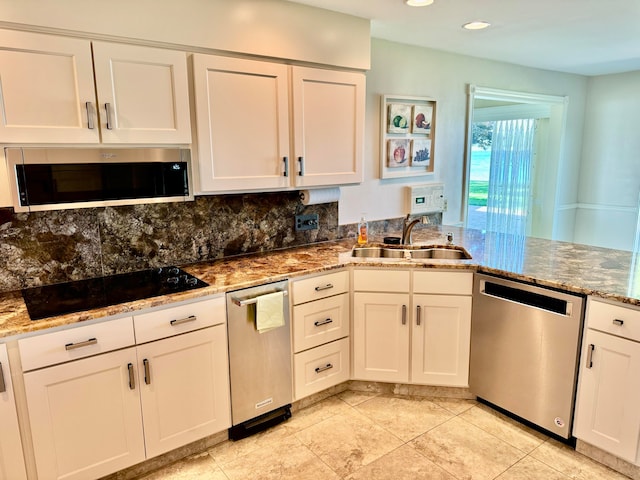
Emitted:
pixel 433 252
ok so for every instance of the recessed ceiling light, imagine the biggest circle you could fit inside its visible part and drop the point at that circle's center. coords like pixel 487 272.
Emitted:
pixel 418 3
pixel 476 25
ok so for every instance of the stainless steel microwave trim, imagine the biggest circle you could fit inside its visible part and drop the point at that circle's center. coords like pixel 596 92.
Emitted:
pixel 56 155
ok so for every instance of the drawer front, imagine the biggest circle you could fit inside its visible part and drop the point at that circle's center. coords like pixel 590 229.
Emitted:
pixel 74 343
pixel 321 368
pixel 321 286
pixel 440 282
pixel 617 320
pixel 387 280
pixel 319 322
pixel 183 318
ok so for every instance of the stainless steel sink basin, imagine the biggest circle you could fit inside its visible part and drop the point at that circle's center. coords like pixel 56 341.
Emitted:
pixel 434 252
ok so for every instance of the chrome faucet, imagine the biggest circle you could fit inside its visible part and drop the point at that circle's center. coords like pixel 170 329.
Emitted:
pixel 408 227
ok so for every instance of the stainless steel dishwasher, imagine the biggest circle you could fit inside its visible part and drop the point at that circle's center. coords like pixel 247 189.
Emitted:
pixel 525 343
pixel 259 363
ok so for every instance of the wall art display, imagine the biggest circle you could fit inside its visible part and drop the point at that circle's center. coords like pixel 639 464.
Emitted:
pixel 420 152
pixel 399 118
pixel 407 136
pixel 422 117
pixel 398 152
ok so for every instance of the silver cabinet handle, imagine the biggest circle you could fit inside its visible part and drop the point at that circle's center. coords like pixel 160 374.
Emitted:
pixel 147 372
pixel 404 314
pixel 180 321
pixel 618 322
pixel 328 366
pixel 326 321
pixel 324 287
pixel 132 377
pixel 418 315
pixel 286 166
pixel 590 350
pixel 89 107
pixel 3 386
pixel 107 108
pixel 86 343
pixel 301 162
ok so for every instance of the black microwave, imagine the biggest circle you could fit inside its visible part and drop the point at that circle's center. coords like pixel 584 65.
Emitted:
pixel 61 178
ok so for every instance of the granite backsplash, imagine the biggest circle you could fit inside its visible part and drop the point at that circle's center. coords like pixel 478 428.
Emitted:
pixel 57 246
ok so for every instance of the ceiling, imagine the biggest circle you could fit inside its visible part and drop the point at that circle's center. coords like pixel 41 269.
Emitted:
pixel 586 37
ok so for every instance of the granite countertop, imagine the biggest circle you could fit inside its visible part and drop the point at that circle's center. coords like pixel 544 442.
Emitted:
pixel 606 273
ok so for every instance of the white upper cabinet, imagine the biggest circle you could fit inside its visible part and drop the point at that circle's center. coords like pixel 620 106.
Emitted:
pixel 328 113
pixel 242 117
pixel 251 115
pixel 140 94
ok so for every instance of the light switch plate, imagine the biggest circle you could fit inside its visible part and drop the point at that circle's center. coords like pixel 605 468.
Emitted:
pixel 307 222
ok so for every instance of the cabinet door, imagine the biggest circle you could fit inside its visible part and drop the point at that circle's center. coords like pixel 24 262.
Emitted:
pixel 441 334
pixel 143 94
pixel 85 416
pixel 607 413
pixel 242 112
pixel 184 384
pixel 47 89
pixel 328 112
pixel 381 337
pixel 11 457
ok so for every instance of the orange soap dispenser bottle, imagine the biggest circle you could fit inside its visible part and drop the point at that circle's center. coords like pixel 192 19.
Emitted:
pixel 363 231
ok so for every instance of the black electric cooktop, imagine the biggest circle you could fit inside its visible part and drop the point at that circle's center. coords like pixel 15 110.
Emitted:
pixel 61 298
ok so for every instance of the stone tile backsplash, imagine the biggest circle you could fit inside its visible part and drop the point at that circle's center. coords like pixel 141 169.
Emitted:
pixel 63 245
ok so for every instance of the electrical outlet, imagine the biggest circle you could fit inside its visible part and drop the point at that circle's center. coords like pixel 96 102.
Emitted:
pixel 307 222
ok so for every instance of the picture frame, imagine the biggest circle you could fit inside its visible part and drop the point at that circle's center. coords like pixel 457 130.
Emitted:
pixel 407 139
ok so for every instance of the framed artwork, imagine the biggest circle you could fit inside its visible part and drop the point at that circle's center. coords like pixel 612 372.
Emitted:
pixel 420 152
pixel 407 140
pixel 399 118
pixel 397 152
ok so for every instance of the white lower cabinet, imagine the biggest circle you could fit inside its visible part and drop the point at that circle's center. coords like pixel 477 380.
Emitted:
pixel 11 456
pixel 607 414
pixel 412 327
pixel 103 412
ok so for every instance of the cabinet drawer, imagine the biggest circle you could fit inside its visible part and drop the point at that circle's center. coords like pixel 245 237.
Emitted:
pixel 321 286
pixel 321 367
pixel 74 343
pixel 381 280
pixel 446 283
pixel 607 317
pixel 319 322
pixel 170 321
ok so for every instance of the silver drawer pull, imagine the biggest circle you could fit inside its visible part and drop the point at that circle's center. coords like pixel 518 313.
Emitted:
pixel 328 366
pixel 107 108
pixel 618 322
pixel 590 350
pixel 89 107
pixel 132 377
pixel 404 314
pixel 3 386
pixel 86 343
pixel 326 321
pixel 180 321
pixel 286 166
pixel 324 287
pixel 418 315
pixel 147 372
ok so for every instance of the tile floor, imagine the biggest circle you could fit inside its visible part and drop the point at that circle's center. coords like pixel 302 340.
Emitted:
pixel 365 436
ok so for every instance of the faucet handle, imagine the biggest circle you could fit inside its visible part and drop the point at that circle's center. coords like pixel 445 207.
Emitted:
pixel 450 238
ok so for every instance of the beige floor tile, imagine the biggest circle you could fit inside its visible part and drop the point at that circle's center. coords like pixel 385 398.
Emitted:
pixel 467 451
pixel 505 428
pixel 288 459
pixel 572 463
pixel 346 442
pixel 315 414
pixel 195 467
pixel 404 463
pixel 405 417
pixel 355 398
pixel 454 405
pixel 531 469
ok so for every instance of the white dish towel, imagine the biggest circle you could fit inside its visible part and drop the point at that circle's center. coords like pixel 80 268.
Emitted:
pixel 269 311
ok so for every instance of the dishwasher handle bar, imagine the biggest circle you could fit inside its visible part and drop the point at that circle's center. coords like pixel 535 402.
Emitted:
pixel 525 297
pixel 243 302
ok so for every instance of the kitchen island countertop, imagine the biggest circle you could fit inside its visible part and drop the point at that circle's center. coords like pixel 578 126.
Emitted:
pixel 612 274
